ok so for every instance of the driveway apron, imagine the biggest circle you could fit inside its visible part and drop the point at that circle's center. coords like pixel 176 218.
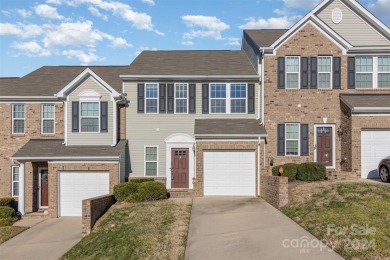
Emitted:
pixel 248 228
pixel 47 240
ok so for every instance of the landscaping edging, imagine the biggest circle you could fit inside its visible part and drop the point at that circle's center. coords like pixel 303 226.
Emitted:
pixel 274 190
pixel 93 209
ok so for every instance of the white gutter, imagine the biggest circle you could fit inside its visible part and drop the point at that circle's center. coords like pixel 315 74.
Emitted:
pixel 89 158
pixel 34 98
pixel 228 135
pixel 370 109
pixel 190 76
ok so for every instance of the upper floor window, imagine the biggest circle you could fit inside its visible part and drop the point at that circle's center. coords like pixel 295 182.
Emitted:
pixel 228 98
pixel 292 72
pixel 151 98
pixel 18 118
pixel 324 72
pixel 181 98
pixel 89 116
pixel 364 72
pixel 48 118
pixel 384 72
pixel 15 181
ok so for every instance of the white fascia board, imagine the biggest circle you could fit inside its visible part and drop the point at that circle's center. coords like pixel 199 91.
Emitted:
pixel 230 135
pixel 189 76
pixel 80 77
pixel 85 158
pixel 30 98
pixel 370 109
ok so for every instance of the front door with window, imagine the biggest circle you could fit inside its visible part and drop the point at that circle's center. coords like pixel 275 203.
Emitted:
pixel 324 145
pixel 179 168
pixel 43 188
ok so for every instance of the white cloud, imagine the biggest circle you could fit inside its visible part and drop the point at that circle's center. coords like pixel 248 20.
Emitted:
pixel 270 23
pixel 187 43
pixel 47 11
pixel 94 11
pixel 31 49
pixel 380 8
pixel 6 13
pixel 149 2
pixel 211 26
pixel 84 58
pixel 143 48
pixel 55 2
pixel 121 43
pixel 24 13
pixel 234 41
pixel 301 4
pixel 21 30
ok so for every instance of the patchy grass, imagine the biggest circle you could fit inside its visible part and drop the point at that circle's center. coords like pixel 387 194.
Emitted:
pixel 352 218
pixel 148 230
pixel 9 232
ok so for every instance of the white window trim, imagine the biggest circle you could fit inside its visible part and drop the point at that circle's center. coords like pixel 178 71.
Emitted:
pixel 150 146
pixel 53 119
pixel 12 182
pixel 381 72
pixel 157 98
pixel 24 118
pixel 299 71
pixel 80 117
pixel 333 144
pixel 330 72
pixel 181 98
pixel 228 99
pixel 299 139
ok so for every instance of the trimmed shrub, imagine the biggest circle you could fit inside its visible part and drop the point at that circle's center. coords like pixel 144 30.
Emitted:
pixel 141 180
pixel 290 170
pixel 148 191
pixel 311 171
pixel 9 202
pixel 124 190
pixel 4 222
pixel 7 212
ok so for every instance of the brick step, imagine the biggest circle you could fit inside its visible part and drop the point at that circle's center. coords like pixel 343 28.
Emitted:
pixel 36 215
pixel 181 193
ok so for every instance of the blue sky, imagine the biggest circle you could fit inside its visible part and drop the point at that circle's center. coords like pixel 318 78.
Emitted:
pixel 114 32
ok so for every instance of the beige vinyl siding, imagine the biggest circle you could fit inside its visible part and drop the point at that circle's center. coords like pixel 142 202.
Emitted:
pixel 152 129
pixel 105 138
pixel 352 27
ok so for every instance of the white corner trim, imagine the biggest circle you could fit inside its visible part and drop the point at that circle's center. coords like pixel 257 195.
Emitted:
pixel 21 189
pixel 333 126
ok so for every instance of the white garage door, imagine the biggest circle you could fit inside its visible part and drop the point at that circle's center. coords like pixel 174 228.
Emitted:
pixel 229 173
pixel 375 147
pixel 77 186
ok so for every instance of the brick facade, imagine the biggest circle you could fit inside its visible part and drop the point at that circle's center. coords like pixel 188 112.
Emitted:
pixel 274 190
pixel 312 106
pixel 93 209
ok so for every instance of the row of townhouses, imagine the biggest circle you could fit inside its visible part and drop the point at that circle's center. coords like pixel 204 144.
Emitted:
pixel 203 122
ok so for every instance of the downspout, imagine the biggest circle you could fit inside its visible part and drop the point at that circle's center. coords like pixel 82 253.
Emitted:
pixel 258 167
pixel 262 88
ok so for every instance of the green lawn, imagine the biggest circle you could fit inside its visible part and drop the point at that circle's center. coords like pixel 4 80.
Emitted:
pixel 149 230
pixel 351 218
pixel 9 232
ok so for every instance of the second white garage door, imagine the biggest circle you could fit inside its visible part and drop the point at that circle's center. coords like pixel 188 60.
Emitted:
pixel 77 186
pixel 229 173
pixel 375 146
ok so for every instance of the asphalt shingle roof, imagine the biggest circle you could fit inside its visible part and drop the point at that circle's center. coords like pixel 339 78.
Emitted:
pixel 229 127
pixel 265 37
pixel 375 102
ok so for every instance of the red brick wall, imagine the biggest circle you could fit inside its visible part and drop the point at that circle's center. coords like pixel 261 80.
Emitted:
pixel 93 209
pixel 274 190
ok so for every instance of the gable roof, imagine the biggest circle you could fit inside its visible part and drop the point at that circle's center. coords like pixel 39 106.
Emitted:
pixel 265 37
pixel 191 63
pixel 49 80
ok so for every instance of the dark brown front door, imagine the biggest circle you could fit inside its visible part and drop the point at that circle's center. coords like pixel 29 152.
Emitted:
pixel 179 168
pixel 44 188
pixel 324 145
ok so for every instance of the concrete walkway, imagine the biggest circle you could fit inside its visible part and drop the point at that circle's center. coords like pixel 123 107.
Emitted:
pixel 248 228
pixel 47 240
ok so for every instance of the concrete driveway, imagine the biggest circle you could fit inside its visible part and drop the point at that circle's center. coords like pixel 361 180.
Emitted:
pixel 48 240
pixel 248 228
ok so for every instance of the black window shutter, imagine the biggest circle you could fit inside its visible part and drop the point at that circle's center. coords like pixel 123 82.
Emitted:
pixel 171 99
pixel 304 73
pixel 205 98
pixel 251 98
pixel 192 98
pixel 281 73
pixel 281 140
pixel 313 72
pixel 75 116
pixel 163 97
pixel 104 116
pixel 141 98
pixel 336 72
pixel 304 140
pixel 351 72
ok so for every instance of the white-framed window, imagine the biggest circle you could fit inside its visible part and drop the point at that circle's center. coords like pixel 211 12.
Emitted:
pixel 364 72
pixel 292 139
pixel 292 72
pixel 18 118
pixel 48 118
pixel 181 98
pixel 151 161
pixel 228 98
pixel 15 181
pixel 89 117
pixel 151 98
pixel 324 64
pixel 384 72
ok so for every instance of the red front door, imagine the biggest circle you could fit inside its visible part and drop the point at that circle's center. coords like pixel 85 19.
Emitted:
pixel 179 168
pixel 44 188
pixel 325 145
